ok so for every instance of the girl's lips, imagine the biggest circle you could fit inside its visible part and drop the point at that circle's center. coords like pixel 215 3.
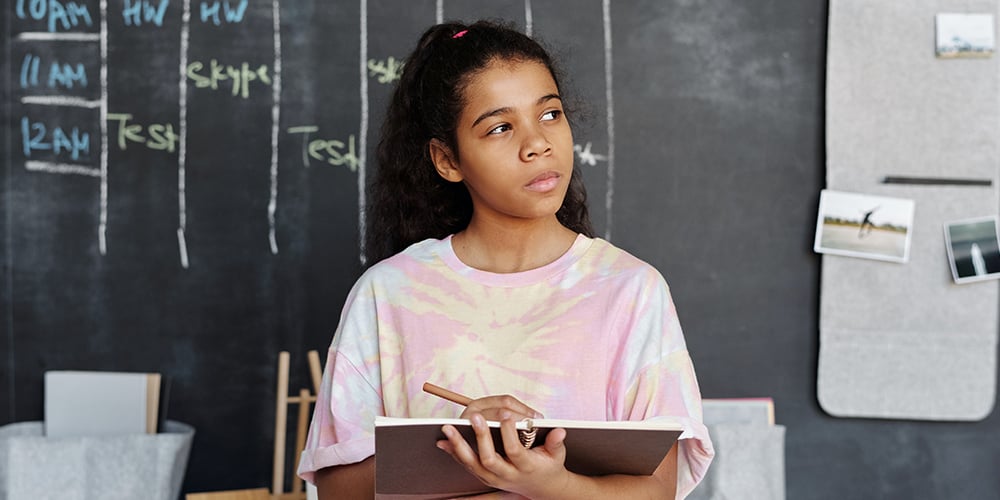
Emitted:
pixel 544 182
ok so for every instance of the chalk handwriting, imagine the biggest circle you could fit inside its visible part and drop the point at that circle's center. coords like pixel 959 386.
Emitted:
pixel 160 137
pixel 59 74
pixel 35 136
pixel 29 71
pixel 210 11
pixel 586 157
pixel 64 15
pixel 240 76
pixel 387 71
pixel 330 151
pixel 137 12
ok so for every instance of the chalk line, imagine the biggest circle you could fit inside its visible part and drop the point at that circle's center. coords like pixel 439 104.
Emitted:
pixel 34 36
pixel 182 138
pixel 59 100
pixel 102 230
pixel 527 17
pixel 182 244
pixel 272 205
pixel 363 127
pixel 63 168
pixel 609 96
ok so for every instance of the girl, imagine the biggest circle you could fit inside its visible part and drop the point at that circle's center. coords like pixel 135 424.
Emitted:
pixel 487 280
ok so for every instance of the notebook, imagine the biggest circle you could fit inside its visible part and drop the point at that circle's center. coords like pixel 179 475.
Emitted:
pixel 408 465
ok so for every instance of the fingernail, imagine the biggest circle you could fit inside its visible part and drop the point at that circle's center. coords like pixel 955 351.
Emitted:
pixel 504 415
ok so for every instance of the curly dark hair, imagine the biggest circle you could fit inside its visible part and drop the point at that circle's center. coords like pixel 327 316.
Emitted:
pixel 408 200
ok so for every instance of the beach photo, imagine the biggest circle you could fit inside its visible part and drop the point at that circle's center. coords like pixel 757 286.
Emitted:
pixel 964 35
pixel 865 226
pixel 973 249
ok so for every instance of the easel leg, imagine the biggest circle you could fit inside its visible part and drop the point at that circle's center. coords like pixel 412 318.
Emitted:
pixel 300 436
pixel 281 422
pixel 280 426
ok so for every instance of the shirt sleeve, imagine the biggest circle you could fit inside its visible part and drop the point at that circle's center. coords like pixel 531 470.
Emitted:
pixel 657 378
pixel 669 390
pixel 343 423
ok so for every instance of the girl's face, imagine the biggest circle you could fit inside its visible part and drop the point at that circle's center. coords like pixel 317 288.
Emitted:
pixel 515 147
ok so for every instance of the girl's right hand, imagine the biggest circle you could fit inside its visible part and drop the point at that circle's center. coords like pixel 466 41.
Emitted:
pixel 491 406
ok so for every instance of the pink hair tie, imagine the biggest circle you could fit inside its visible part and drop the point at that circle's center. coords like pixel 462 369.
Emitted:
pixel 460 34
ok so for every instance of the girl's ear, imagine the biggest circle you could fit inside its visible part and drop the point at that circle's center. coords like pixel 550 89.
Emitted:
pixel 444 161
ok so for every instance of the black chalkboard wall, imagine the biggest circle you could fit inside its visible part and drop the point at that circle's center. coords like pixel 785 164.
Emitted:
pixel 211 219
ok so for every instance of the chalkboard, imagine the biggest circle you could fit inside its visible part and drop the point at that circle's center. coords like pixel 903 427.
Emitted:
pixel 182 184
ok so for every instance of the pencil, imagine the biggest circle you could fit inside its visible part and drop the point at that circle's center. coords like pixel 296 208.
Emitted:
pixel 527 437
pixel 443 393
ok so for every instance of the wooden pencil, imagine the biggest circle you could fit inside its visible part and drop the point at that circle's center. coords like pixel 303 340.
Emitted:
pixel 443 393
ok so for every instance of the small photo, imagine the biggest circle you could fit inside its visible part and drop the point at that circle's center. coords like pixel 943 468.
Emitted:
pixel 866 226
pixel 973 249
pixel 965 35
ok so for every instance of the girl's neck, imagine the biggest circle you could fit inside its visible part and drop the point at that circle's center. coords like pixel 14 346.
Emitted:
pixel 509 249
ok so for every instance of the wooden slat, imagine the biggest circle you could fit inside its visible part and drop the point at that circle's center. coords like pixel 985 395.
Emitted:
pixel 280 425
pixel 252 494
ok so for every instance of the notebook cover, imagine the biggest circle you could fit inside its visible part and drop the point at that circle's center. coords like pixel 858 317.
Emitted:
pixel 409 465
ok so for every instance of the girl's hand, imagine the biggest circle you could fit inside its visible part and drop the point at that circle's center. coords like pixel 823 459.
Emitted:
pixel 492 407
pixel 534 473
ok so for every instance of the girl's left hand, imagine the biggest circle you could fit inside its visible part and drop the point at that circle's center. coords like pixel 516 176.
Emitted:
pixel 534 473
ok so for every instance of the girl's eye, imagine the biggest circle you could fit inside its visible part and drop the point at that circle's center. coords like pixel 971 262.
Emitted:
pixel 499 129
pixel 551 115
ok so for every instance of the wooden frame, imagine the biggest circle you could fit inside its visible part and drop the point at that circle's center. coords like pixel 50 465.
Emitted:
pixel 304 399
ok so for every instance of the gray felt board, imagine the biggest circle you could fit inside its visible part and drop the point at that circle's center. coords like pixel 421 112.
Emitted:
pixel 903 340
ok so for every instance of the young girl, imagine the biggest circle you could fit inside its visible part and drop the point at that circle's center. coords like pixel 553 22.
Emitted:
pixel 487 280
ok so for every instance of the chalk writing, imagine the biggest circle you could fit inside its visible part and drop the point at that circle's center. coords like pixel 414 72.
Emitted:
pixel 240 76
pixel 29 71
pixel 59 74
pixel 210 12
pixel 64 15
pixel 387 71
pixel 157 136
pixel 137 12
pixel 36 136
pixel 331 151
pixel 586 157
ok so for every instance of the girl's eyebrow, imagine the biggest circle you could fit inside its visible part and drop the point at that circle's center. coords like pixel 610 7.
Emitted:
pixel 506 109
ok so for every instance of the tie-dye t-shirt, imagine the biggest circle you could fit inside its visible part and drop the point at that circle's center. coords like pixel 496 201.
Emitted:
pixel 593 335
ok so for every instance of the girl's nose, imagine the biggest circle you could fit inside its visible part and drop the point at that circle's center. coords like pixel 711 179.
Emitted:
pixel 535 145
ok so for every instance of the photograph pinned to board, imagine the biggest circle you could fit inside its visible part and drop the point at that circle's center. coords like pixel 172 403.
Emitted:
pixel 865 226
pixel 973 249
pixel 964 35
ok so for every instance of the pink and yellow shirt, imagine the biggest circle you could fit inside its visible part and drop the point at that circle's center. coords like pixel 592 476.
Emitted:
pixel 593 336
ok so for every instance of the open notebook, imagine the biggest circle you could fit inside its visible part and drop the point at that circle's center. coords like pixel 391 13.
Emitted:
pixel 408 465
